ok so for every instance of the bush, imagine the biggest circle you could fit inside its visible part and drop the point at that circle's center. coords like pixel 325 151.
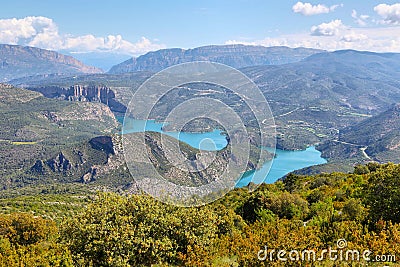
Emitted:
pixel 138 230
pixel 283 204
pixel 26 240
pixel 382 194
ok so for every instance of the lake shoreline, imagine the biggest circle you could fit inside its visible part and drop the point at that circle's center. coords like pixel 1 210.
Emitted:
pixel 284 161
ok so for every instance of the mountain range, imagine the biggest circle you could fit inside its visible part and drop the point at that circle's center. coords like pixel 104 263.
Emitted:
pixel 102 60
pixel 328 99
pixel 22 61
pixel 237 56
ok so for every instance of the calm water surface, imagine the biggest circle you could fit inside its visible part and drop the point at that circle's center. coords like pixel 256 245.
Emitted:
pixel 284 162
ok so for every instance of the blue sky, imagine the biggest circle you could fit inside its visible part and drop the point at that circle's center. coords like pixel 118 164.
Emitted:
pixel 135 27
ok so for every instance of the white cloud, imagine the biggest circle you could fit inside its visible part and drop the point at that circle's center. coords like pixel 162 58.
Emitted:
pixel 43 32
pixel 333 8
pixel 308 9
pixel 354 37
pixel 327 29
pixel 360 20
pixel 380 39
pixel 390 13
pixel 13 30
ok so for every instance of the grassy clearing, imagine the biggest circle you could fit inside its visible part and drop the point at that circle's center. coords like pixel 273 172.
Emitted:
pixel 20 143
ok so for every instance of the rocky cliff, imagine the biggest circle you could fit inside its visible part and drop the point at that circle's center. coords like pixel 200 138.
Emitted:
pixel 90 93
pixel 83 93
pixel 20 61
pixel 236 56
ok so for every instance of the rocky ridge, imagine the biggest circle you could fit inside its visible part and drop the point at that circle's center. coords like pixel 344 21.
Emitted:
pixel 22 61
pixel 237 56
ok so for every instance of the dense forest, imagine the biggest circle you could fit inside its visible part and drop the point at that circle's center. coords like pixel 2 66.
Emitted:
pixel 55 227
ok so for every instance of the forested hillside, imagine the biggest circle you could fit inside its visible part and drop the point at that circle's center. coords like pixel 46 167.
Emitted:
pixel 78 228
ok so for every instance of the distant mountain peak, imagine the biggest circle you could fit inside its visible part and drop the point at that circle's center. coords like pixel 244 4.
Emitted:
pixel 21 61
pixel 235 55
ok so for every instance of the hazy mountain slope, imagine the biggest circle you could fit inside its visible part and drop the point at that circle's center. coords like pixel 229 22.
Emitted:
pixel 20 61
pixel 102 60
pixel 368 82
pixel 236 56
pixel 371 131
pixel 379 135
pixel 311 100
pixel 122 85
pixel 370 62
pixel 374 139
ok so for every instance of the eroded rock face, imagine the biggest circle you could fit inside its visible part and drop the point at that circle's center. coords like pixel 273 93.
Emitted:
pixel 90 93
pixel 39 167
pixel 83 93
pixel 104 143
pixel 90 176
pixel 5 86
pixel 51 116
pixel 60 163
pixel 210 168
pixel 87 162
